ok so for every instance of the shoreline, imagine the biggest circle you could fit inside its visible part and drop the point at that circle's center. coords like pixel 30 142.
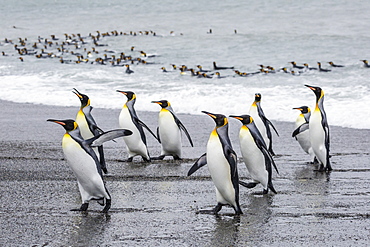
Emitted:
pixel 157 204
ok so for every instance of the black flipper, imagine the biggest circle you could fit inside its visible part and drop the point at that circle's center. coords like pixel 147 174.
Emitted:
pixel 269 122
pixel 107 136
pixel 182 127
pixel 158 138
pixel 144 125
pixel 202 161
pixel 102 159
pixel 300 129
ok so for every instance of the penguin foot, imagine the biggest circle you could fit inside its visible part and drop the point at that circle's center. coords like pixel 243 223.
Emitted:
pixel 161 157
pixel 130 159
pixel 108 203
pixel 265 191
pixel 217 208
pixel 238 210
pixel 176 157
pixel 248 185
pixel 83 207
pixel 146 160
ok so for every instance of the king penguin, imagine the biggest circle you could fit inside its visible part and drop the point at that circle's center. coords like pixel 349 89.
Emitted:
pixel 262 123
pixel 319 131
pixel 88 126
pixel 256 157
pixel 302 131
pixel 128 119
pixel 169 131
pixel 222 165
pixel 85 164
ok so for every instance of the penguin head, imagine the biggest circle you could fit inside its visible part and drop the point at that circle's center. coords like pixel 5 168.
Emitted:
pixel 245 119
pixel 162 103
pixel 130 95
pixel 257 97
pixel 219 119
pixel 85 101
pixel 317 90
pixel 303 109
pixel 68 124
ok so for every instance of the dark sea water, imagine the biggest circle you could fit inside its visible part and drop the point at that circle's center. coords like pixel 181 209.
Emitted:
pixel 244 35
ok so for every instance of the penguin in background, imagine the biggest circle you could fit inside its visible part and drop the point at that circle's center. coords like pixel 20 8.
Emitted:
pixel 319 131
pixel 84 163
pixel 169 131
pixel 128 119
pixel 256 156
pixel 262 123
pixel 302 132
pixel 88 126
pixel 222 165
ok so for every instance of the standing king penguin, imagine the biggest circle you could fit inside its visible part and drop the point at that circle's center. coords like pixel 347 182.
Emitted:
pixel 256 157
pixel 222 165
pixel 85 164
pixel 128 119
pixel 169 131
pixel 302 131
pixel 319 131
pixel 88 126
pixel 262 123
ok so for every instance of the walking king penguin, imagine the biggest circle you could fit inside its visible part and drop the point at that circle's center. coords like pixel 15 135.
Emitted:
pixel 319 131
pixel 88 126
pixel 302 132
pixel 128 119
pixel 256 157
pixel 169 131
pixel 84 162
pixel 222 165
pixel 262 123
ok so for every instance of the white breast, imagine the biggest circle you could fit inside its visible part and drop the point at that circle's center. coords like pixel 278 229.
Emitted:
pixel 84 167
pixel 317 136
pixel 169 133
pixel 134 143
pixel 83 126
pixel 253 157
pixel 219 169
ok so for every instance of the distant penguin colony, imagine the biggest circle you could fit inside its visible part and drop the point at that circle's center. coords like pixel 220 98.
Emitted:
pixel 83 140
pixel 75 49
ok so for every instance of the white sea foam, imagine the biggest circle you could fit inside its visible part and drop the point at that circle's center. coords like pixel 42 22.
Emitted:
pixel 264 36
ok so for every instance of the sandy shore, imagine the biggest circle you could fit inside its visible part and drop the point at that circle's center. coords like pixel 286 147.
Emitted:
pixel 156 204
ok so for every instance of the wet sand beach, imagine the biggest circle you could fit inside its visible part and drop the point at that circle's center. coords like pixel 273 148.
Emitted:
pixel 156 204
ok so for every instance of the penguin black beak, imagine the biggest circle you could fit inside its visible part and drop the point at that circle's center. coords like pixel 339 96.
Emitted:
pixel 77 93
pixel 297 108
pixel 121 92
pixel 157 102
pixel 311 87
pixel 237 117
pixel 56 121
pixel 209 114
